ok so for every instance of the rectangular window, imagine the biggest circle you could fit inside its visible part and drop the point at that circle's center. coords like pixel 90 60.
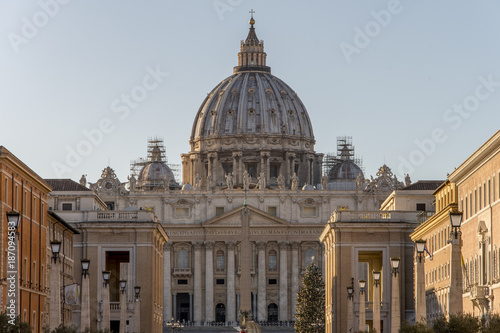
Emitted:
pixel 273 281
pixel 219 281
pixel 272 210
pixel 219 211
pixel 252 169
pixel 308 211
pixel 274 170
pixel 480 201
pixel 181 212
pixel 494 189
pixel 421 207
pixel 67 206
pixel 182 281
pixel 110 205
pixel 484 194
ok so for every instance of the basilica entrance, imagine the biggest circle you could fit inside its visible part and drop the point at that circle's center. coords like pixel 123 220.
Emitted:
pixel 220 313
pixel 272 312
pixel 183 307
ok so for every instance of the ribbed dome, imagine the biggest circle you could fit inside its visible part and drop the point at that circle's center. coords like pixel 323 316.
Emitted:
pixel 155 172
pixel 255 103
pixel 345 170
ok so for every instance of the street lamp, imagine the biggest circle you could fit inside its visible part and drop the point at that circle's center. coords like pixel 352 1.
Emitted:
pixel 105 276
pixel 376 278
pixel 420 244
pixel 85 267
pixel 395 266
pixel 350 293
pixel 455 221
pixel 123 286
pixel 56 248
pixel 362 284
pixel 13 219
pixel 137 291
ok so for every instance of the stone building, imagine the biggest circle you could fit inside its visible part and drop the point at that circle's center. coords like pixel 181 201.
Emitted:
pixel 251 157
pixel 24 192
pixel 478 182
pixel 128 243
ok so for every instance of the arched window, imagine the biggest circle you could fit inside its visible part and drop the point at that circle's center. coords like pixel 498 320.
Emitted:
pixel 309 257
pixel 273 260
pixel 272 312
pixel 182 259
pixel 220 260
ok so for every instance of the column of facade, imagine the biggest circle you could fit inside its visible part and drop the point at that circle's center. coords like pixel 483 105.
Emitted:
pixel 376 307
pixel 283 307
pixel 308 162
pixel 106 311
pixel 235 155
pixel 295 275
pixel 197 297
pixel 240 168
pixel 261 282
pixel 174 307
pixel 55 295
pixel 209 281
pixel 167 283
pixel 455 298
pixel 362 311
pixel 231 290
pixel 420 307
pixel 85 308
pixel 395 304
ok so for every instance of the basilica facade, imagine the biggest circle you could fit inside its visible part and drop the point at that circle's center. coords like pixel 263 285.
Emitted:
pixel 251 175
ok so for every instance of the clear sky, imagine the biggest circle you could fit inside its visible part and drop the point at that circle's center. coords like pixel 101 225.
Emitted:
pixel 83 84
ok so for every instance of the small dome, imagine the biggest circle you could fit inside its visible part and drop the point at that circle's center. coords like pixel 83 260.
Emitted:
pixel 345 170
pixel 155 172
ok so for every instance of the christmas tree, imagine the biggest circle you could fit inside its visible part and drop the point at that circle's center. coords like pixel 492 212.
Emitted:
pixel 310 317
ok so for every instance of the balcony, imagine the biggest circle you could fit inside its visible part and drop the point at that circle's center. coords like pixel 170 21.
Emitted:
pixel 479 292
pixel 182 272
pixel 390 216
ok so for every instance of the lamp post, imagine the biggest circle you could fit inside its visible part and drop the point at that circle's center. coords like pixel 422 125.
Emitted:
pixel 106 311
pixel 175 326
pixel 85 309
pixel 55 285
pixel 376 301
pixel 362 313
pixel 123 306
pixel 456 287
pixel 395 301
pixel 137 304
pixel 420 307
pixel 350 300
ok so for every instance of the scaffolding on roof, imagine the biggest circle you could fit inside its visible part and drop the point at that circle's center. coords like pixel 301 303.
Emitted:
pixel 345 152
pixel 156 153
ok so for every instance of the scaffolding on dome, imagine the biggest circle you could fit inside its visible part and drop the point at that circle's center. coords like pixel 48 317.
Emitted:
pixel 156 153
pixel 345 152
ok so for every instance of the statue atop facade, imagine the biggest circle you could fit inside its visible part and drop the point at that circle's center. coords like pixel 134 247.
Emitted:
pixel 83 181
pixel 209 182
pixel 324 181
pixel 407 180
pixel 295 181
pixel 197 181
pixel 229 181
pixel 281 182
pixel 262 181
pixel 246 180
pixel 131 184
pixel 360 180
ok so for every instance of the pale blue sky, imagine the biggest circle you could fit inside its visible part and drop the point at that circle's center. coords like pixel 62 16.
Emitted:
pixel 62 78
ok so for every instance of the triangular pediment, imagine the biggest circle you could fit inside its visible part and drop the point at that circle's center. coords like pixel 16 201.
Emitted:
pixel 258 218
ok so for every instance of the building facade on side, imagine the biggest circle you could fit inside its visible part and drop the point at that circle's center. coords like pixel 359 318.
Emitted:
pixel 478 183
pixel 127 243
pixel 356 244
pixel 23 191
pixel 441 271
